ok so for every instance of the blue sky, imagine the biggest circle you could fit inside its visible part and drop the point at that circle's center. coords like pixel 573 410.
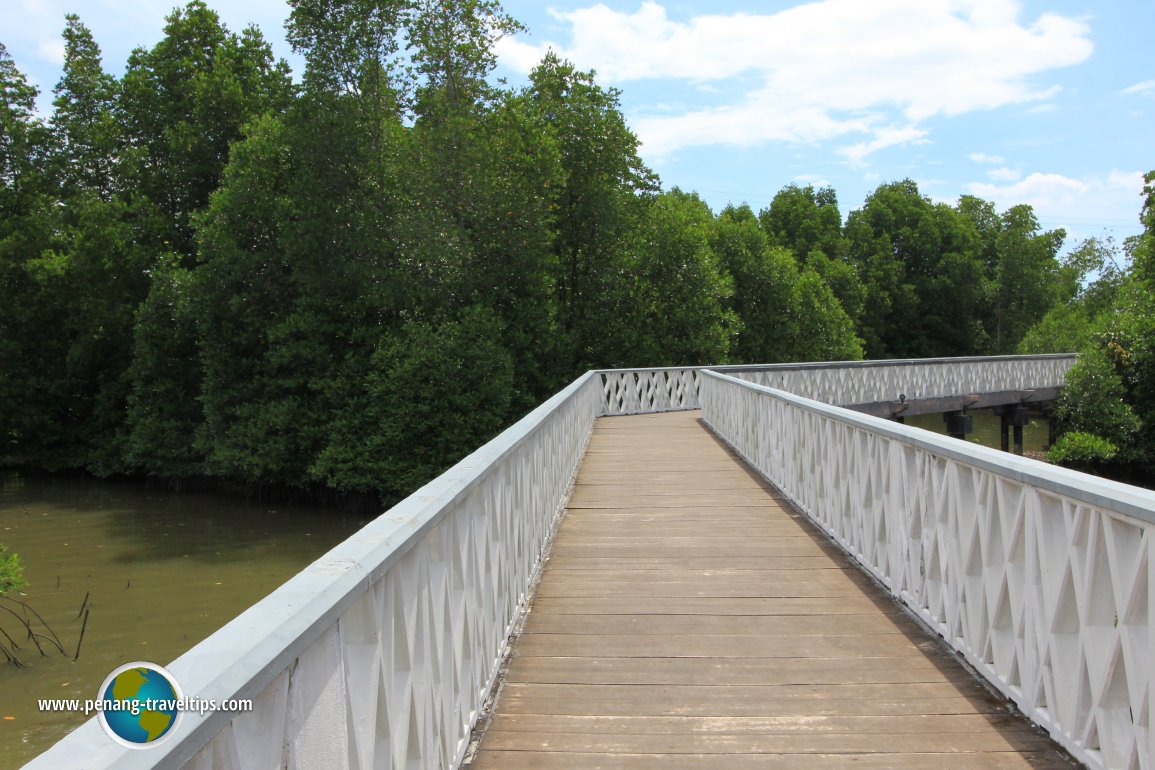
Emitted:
pixel 1047 102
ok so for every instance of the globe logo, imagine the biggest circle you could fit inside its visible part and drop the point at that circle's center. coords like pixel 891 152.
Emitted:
pixel 138 706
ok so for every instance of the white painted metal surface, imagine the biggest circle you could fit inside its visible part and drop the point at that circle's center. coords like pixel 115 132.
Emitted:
pixel 637 391
pixel 381 653
pixel 865 382
pixel 1041 577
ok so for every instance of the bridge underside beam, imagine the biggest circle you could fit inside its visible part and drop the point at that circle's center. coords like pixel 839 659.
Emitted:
pixel 942 404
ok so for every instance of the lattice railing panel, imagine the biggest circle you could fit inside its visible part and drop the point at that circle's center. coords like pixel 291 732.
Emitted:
pixel 1040 576
pixel 638 391
pixel 869 382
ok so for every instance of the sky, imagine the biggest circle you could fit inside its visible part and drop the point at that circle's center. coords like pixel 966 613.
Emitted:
pixel 1045 102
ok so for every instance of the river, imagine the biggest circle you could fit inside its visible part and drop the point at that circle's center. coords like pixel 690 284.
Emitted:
pixel 161 571
pixel 986 429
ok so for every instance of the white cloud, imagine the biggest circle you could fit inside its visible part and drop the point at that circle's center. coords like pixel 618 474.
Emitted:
pixel 51 51
pixel 883 137
pixel 744 125
pixel 1146 86
pixel 1004 174
pixel 826 68
pixel 1038 189
pixel 982 157
pixel 813 179
pixel 1083 206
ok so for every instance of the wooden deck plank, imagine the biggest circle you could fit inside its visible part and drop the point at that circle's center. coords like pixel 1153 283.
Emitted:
pixel 816 561
pixel 688 589
pixel 802 743
pixel 756 577
pixel 552 760
pixel 835 725
pixel 716 646
pixel 672 693
pixel 721 706
pixel 706 548
pixel 692 605
pixel 720 625
pixel 688 618
pixel 728 671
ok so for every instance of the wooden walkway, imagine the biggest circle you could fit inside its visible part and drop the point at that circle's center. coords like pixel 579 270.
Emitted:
pixel 686 618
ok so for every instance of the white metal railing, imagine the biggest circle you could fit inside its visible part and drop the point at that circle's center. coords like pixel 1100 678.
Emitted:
pixel 1042 577
pixel 867 382
pixel 636 391
pixel 381 653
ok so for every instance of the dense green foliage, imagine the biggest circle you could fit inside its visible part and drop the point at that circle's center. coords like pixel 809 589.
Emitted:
pixel 1081 449
pixel 346 284
pixel 1107 315
pixel 11 571
pixel 1092 400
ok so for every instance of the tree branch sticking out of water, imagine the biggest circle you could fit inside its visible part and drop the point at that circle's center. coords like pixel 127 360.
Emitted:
pixel 33 635
pixel 12 579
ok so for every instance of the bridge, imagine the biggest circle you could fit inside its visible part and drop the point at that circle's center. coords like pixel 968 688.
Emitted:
pixel 747 572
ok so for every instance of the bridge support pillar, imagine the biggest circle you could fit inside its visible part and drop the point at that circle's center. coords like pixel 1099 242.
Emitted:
pixel 958 424
pixel 1020 417
pixel 1016 417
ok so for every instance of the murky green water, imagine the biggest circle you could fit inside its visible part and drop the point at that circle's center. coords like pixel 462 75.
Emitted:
pixel 986 429
pixel 162 572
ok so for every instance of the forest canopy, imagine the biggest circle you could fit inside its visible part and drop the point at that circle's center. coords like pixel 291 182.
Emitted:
pixel 208 270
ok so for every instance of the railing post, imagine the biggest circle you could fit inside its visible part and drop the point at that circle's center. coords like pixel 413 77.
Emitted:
pixel 1004 428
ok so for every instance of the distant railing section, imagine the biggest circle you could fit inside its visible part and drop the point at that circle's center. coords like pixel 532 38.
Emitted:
pixel 865 382
pixel 381 653
pixel 1043 578
pixel 638 391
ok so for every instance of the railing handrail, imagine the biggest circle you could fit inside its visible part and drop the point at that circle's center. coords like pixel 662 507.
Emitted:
pixel 873 362
pixel 1133 501
pixel 888 362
